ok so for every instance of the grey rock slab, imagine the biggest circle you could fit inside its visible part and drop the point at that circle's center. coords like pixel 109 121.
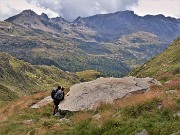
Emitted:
pixel 42 103
pixel 85 95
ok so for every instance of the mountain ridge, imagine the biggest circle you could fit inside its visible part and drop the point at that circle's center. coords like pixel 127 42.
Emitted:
pixel 73 46
pixel 128 21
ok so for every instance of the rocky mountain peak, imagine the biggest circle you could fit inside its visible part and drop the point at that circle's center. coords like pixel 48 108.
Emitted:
pixel 25 15
pixel 28 12
pixel 125 12
pixel 77 19
pixel 44 16
pixel 58 19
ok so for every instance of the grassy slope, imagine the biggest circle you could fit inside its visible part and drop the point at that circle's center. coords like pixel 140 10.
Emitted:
pixel 155 111
pixel 21 78
pixel 166 65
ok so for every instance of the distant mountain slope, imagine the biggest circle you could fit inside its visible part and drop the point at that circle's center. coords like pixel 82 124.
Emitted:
pixel 111 43
pixel 30 19
pixel 23 78
pixel 165 64
pixel 135 48
pixel 56 26
pixel 113 59
pixel 112 26
pixel 103 27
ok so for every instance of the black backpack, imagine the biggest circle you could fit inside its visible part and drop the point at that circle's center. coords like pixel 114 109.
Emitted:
pixel 57 95
pixel 53 92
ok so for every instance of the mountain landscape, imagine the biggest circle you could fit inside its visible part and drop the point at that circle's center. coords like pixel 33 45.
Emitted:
pixel 19 78
pixel 165 65
pixel 108 43
pixel 154 111
pixel 86 56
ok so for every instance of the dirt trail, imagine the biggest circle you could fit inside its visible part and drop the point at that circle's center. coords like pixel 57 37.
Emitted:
pixel 15 107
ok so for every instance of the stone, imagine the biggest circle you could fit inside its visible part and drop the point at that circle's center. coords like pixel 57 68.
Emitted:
pixel 87 95
pixel 42 103
pixel 116 115
pixel 171 92
pixel 177 133
pixel 28 122
pixel 64 120
pixel 57 114
pixel 143 132
pixel 177 114
pixel 97 116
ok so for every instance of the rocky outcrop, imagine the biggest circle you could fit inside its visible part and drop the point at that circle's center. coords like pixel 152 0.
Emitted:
pixel 87 95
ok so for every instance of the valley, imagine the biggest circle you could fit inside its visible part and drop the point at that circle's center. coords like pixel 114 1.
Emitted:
pixel 87 57
pixel 110 47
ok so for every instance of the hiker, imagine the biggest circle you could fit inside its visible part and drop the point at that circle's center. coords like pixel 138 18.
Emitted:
pixel 57 96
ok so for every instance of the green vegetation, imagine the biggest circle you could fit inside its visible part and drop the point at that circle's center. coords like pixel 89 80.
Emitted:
pixel 75 54
pixel 153 112
pixel 88 75
pixel 164 67
pixel 6 94
pixel 21 78
pixel 156 111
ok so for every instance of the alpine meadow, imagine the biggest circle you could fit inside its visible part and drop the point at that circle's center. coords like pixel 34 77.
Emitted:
pixel 119 70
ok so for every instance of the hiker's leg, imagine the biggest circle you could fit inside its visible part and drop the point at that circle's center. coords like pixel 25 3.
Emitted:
pixel 54 109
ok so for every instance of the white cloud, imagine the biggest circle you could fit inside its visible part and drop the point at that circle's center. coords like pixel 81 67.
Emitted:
pixel 71 9
pixel 154 7
pixel 12 7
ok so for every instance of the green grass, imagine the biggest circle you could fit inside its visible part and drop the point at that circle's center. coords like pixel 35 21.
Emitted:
pixel 28 79
pixel 165 65
pixel 88 75
pixel 129 121
pixel 6 94
pixel 154 122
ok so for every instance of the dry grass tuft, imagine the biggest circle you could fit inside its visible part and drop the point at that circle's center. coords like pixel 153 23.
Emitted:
pixel 154 93
pixel 80 116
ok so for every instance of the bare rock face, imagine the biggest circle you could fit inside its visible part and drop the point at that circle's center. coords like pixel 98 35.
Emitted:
pixel 86 95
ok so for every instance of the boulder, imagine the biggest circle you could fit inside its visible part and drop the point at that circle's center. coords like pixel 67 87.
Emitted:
pixel 42 103
pixel 86 95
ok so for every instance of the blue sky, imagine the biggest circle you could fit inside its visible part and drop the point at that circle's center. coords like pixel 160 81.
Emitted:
pixel 71 9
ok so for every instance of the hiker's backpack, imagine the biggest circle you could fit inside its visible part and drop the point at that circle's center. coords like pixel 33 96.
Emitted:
pixel 53 92
pixel 57 95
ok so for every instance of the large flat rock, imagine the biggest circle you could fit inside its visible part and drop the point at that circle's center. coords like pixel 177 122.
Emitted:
pixel 86 95
pixel 42 103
